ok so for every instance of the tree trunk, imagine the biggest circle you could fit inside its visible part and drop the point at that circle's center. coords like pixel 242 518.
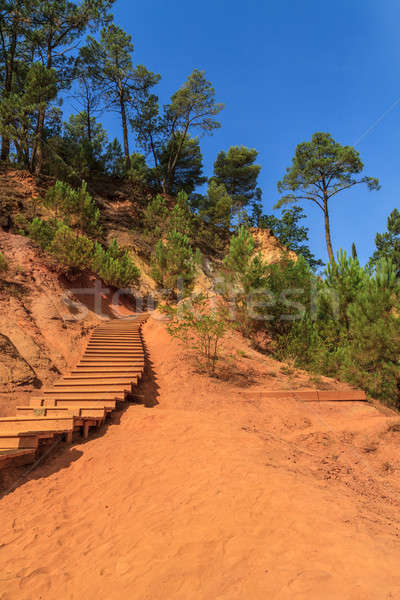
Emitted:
pixel 7 89
pixel 37 154
pixel 125 133
pixel 328 232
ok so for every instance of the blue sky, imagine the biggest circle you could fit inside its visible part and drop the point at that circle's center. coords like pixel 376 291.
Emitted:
pixel 285 70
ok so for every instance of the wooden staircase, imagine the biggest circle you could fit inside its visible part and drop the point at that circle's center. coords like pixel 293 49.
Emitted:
pixel 106 376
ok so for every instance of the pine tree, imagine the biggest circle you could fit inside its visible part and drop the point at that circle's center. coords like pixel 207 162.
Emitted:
pixel 388 243
pixel 246 272
pixel 372 360
pixel 215 207
pixel 119 83
pixel 321 169
pixel 174 264
pixel 76 207
pixel 237 171
pixel 114 266
pixel 57 26
pixel 72 252
pixel 192 108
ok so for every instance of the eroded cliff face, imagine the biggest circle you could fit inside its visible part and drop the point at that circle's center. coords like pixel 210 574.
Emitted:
pixel 41 333
pixel 270 247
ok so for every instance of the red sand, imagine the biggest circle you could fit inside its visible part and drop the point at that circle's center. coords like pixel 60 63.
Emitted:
pixel 210 495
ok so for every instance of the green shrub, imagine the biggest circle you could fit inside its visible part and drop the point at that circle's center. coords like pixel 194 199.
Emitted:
pixel 42 232
pixel 174 263
pixel 76 207
pixel 354 334
pixel 246 274
pixel 71 251
pixel 159 220
pixel 201 327
pixel 114 266
pixel 3 264
pixel 155 218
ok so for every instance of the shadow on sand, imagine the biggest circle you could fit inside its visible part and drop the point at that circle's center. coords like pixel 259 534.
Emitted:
pixel 60 456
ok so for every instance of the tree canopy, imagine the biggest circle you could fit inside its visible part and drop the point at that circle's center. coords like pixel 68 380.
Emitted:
pixel 321 169
pixel 237 171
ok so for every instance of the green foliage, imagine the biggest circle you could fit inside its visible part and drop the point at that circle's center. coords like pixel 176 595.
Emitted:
pixel 246 272
pixel 290 233
pixel 200 327
pixel 181 218
pixel 351 329
pixel 291 286
pixel 215 208
pixel 159 219
pixel 214 211
pixel 3 264
pixel 114 159
pixel 41 232
pixel 72 252
pixel 176 156
pixel 388 243
pixel 236 170
pixel 319 171
pixel 155 218
pixel 116 79
pixel 76 207
pixel 84 143
pixel 174 263
pixel 138 172
pixel 244 267
pixel 114 266
pixel 188 171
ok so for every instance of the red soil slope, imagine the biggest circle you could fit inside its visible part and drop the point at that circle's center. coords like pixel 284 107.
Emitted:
pixel 205 493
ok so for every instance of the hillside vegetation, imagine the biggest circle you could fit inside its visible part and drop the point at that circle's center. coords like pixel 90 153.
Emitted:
pixel 153 222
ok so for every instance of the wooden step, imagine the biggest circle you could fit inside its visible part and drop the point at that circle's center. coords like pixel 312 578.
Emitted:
pixel 22 441
pixel 16 457
pixel 95 382
pixel 82 370
pixel 119 344
pixel 118 337
pixel 104 346
pixel 307 395
pixel 38 411
pixel 36 424
pixel 114 352
pixel 74 403
pixel 86 394
pixel 105 378
pixel 87 386
pixel 76 411
pixel 112 362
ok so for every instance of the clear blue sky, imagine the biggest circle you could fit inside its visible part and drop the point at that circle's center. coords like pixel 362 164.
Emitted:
pixel 284 70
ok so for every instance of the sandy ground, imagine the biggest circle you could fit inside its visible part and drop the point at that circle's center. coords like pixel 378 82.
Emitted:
pixel 204 493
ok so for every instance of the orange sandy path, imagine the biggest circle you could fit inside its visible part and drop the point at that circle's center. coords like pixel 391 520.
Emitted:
pixel 199 498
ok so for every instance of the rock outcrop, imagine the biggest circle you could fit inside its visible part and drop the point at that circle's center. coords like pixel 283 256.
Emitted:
pixel 270 247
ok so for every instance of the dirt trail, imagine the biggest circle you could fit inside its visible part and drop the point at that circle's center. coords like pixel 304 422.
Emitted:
pixel 203 493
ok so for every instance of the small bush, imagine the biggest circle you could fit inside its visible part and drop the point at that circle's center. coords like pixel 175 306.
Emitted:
pixel 76 207
pixel 174 263
pixel 42 232
pixel 3 264
pixel 114 266
pixel 71 251
pixel 200 327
